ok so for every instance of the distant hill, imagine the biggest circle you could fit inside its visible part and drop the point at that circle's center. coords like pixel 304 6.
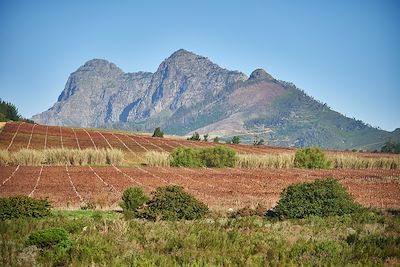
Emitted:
pixel 190 93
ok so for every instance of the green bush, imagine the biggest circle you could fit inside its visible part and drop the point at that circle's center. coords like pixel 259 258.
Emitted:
pixel 320 198
pixel 186 157
pixel 23 207
pixel 212 157
pixel 48 238
pixel 132 199
pixel 195 137
pixel 311 158
pixel 235 140
pixel 158 132
pixel 173 203
pixel 218 157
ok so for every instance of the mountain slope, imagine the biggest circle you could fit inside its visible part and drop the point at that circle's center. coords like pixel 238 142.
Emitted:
pixel 190 93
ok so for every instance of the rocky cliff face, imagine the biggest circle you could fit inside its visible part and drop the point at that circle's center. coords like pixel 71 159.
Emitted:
pixel 189 93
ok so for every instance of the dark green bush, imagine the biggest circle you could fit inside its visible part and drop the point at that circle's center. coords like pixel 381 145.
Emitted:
pixel 311 158
pixel 173 203
pixel 48 238
pixel 186 157
pixel 158 132
pixel 320 198
pixel 212 157
pixel 218 157
pixel 195 137
pixel 132 199
pixel 23 207
pixel 235 140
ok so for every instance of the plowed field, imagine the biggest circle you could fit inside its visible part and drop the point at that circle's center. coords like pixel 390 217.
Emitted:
pixel 219 188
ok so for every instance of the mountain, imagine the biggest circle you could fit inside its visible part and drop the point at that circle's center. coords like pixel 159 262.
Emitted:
pixel 190 93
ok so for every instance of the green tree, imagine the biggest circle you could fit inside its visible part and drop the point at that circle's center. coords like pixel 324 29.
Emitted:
pixel 158 132
pixel 391 147
pixel 235 140
pixel 205 137
pixel 216 139
pixel 195 137
pixel 132 199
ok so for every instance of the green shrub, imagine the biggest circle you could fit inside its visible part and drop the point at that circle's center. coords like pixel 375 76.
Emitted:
pixel 186 157
pixel 212 157
pixel 218 157
pixel 320 198
pixel 195 137
pixel 173 203
pixel 23 207
pixel 216 139
pixel 158 132
pixel 235 140
pixel 132 199
pixel 48 238
pixel 311 158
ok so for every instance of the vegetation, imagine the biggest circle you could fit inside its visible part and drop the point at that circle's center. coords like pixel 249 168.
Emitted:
pixel 23 207
pixel 258 141
pixel 158 132
pixel 132 199
pixel 343 161
pixel 195 137
pixel 48 238
pixel 391 147
pixel 235 140
pixel 205 137
pixel 311 158
pixel 157 159
pixel 74 157
pixel 9 112
pixel 320 198
pixel 216 139
pixel 173 203
pixel 107 239
pixel 270 161
pixel 212 157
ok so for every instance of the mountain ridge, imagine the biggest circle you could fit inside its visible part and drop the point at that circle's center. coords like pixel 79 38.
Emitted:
pixel 190 93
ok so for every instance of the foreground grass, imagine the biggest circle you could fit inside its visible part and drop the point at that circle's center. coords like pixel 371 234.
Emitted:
pixel 107 239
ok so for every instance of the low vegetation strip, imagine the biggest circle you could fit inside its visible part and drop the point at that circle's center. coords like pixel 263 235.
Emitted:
pixel 271 161
pixel 60 157
pixel 342 161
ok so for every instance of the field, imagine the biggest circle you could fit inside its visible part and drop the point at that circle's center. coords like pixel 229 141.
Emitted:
pixel 71 187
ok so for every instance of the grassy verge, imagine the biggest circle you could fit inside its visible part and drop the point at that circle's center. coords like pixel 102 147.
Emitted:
pixel 57 157
pixel 107 239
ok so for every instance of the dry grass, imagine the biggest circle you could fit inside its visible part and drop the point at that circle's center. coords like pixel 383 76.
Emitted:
pixel 342 161
pixel 57 157
pixel 271 161
pixel 157 159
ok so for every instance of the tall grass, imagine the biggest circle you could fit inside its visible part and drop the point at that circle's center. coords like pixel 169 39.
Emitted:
pixel 157 159
pixel 270 161
pixel 58 157
pixel 342 161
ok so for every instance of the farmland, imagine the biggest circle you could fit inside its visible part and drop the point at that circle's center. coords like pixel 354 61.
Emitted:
pixel 72 186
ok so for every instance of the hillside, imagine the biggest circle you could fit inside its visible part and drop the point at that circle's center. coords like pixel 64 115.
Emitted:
pixel 190 93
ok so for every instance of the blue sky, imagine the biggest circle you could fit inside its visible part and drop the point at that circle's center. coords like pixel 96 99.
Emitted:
pixel 344 53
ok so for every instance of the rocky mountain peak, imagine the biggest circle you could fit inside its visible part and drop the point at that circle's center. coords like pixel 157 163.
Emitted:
pixel 260 74
pixel 99 65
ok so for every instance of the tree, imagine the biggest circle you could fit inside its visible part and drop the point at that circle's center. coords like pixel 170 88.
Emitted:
pixel 205 137
pixel 391 147
pixel 158 132
pixel 257 141
pixel 235 140
pixel 195 137
pixel 216 139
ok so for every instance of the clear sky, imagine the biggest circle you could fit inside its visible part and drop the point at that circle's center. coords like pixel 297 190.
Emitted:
pixel 345 53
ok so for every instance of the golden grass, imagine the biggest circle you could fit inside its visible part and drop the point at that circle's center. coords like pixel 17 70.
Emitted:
pixel 342 161
pixel 157 159
pixel 58 157
pixel 270 161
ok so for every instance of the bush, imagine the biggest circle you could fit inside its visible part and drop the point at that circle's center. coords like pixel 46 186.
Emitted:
pixel 213 157
pixel 391 147
pixel 311 158
pixel 195 137
pixel 23 207
pixel 218 157
pixel 320 198
pixel 173 203
pixel 48 238
pixel 158 132
pixel 186 157
pixel 235 140
pixel 216 139
pixel 132 199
